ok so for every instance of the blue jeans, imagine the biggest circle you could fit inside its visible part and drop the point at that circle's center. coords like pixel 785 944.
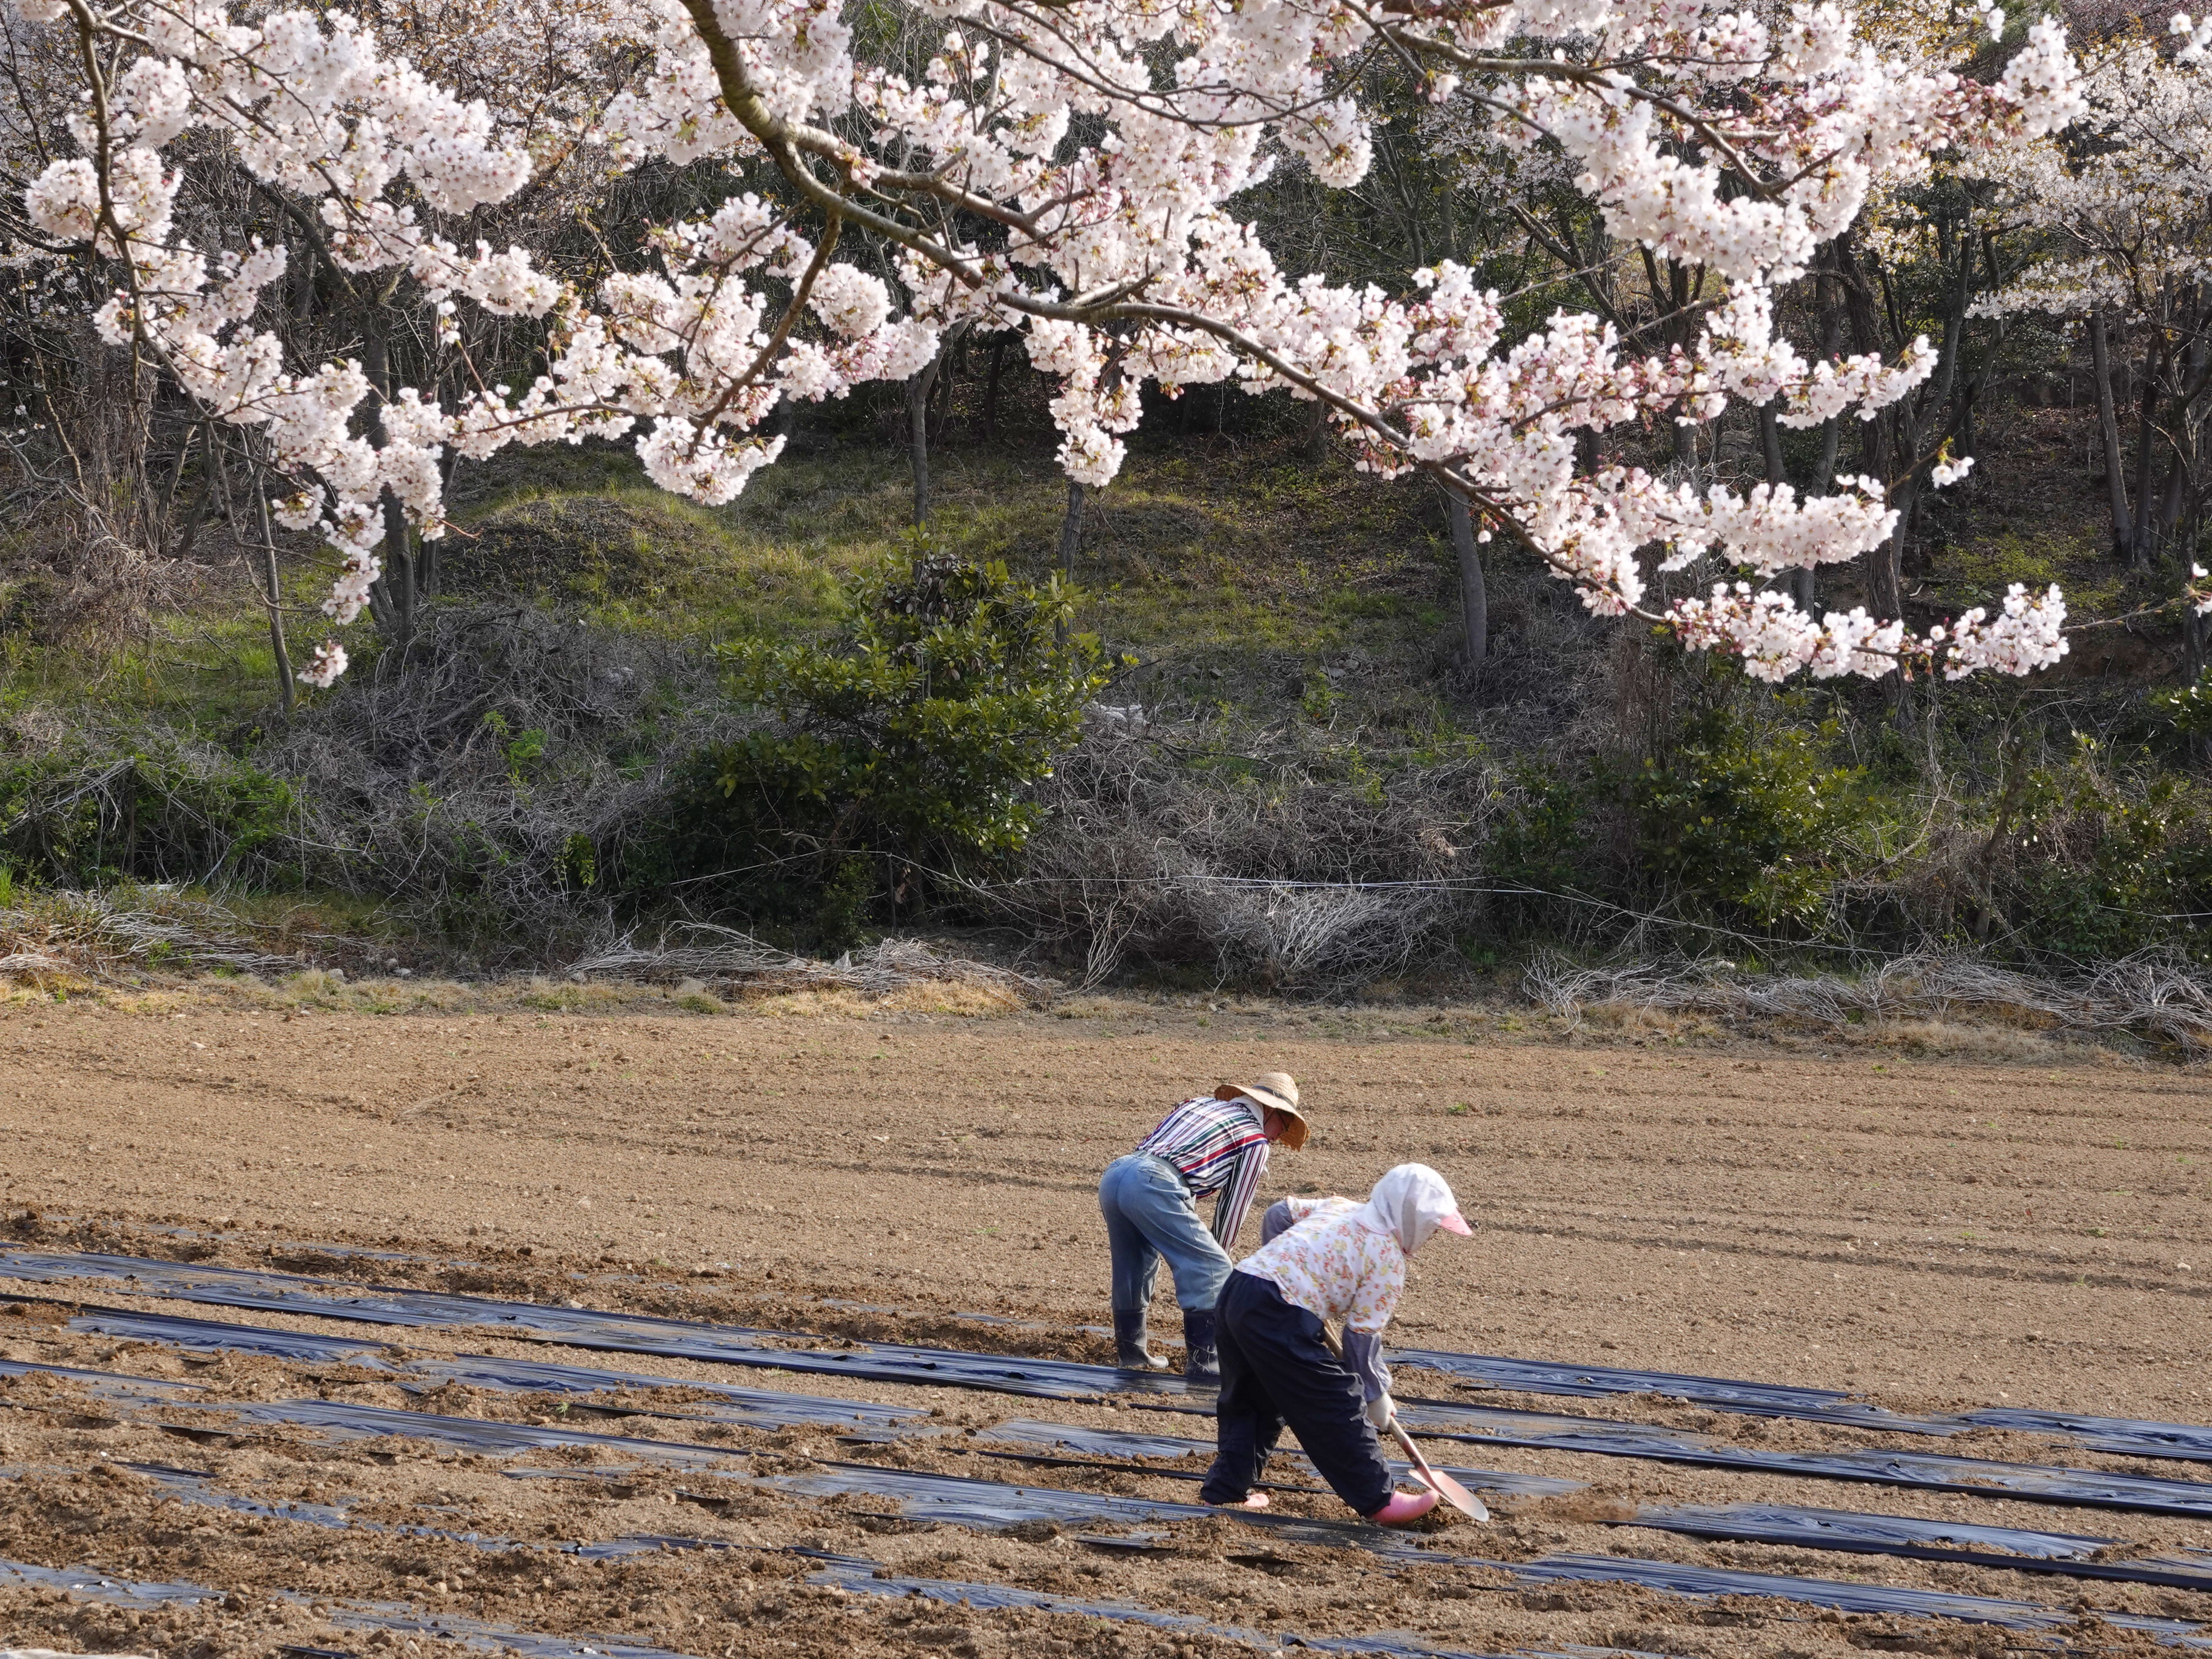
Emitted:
pixel 1148 1214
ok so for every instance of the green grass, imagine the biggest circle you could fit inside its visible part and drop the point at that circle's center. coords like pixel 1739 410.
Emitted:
pixel 206 664
pixel 1230 563
pixel 1233 570
pixel 2075 558
pixel 635 558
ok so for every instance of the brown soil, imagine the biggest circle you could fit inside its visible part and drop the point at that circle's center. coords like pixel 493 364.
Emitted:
pixel 1930 1234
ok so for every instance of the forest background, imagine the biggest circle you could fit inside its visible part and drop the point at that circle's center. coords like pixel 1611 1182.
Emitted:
pixel 1247 715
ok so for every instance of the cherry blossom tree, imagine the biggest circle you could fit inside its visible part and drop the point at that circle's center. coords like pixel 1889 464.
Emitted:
pixel 1071 169
pixel 2118 225
pixel 294 269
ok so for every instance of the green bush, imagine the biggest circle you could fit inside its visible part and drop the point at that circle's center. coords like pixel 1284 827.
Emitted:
pixel 907 743
pixel 2186 709
pixel 1751 824
pixel 2102 865
pixel 1538 839
pixel 85 812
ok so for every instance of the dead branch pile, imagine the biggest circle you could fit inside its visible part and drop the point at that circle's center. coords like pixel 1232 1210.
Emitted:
pixel 484 780
pixel 67 934
pixel 1284 861
pixel 497 768
pixel 2153 993
pixel 724 956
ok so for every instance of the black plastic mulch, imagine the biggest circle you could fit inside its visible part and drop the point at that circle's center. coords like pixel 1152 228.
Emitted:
pixel 1068 1379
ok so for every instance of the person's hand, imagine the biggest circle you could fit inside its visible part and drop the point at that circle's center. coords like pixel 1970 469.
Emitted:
pixel 1382 1412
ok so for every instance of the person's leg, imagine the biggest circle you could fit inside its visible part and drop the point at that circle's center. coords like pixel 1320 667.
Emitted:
pixel 1157 1202
pixel 1319 1398
pixel 1135 1264
pixel 1246 1423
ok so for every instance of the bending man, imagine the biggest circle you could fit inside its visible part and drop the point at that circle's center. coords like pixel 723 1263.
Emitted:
pixel 1216 1143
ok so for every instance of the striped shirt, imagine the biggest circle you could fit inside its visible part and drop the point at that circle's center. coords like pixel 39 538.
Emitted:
pixel 1216 1146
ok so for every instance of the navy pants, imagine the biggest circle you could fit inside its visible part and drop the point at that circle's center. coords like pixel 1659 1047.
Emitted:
pixel 1276 1370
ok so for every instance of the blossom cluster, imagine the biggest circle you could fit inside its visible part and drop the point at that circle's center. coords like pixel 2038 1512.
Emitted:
pixel 2122 213
pixel 1774 639
pixel 1106 142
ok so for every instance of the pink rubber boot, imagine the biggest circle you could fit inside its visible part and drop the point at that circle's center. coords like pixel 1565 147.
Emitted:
pixel 1257 1500
pixel 1404 1507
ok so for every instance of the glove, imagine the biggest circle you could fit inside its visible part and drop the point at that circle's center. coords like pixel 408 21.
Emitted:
pixel 1382 1412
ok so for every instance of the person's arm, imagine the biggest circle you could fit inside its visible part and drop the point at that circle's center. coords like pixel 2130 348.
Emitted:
pixel 1362 1354
pixel 1237 1195
pixel 1381 1281
pixel 1286 1213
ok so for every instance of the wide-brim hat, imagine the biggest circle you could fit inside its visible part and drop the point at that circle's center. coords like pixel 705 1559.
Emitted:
pixel 1278 1091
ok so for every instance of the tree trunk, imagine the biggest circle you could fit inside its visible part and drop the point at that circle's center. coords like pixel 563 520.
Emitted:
pixel 1885 595
pixel 1832 444
pixel 399 567
pixel 1316 439
pixel 1825 286
pixel 1770 446
pixel 396 586
pixel 2108 428
pixel 200 503
pixel 941 393
pixel 176 479
pixel 1070 537
pixel 303 283
pixel 424 566
pixel 1070 531
pixel 2184 437
pixel 1923 422
pixel 1674 294
pixel 1474 601
pixel 2145 446
pixel 276 596
pixel 991 387
pixel 2170 499
pixel 917 442
pixel 1799 583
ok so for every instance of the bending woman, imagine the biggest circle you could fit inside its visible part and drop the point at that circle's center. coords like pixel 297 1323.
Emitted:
pixel 1216 1143
pixel 1338 1261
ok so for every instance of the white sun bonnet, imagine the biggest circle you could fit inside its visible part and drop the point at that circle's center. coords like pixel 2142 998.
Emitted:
pixel 1413 1201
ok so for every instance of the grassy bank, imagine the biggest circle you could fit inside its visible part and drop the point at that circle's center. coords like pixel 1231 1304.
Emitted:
pixel 473 804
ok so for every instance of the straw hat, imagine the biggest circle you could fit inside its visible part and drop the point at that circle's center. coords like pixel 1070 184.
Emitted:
pixel 1278 1091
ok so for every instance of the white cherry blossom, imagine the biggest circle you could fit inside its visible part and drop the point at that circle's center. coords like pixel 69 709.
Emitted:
pixel 1105 146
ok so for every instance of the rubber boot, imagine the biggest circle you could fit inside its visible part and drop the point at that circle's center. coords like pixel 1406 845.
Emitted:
pixel 1404 1507
pixel 1200 1362
pixel 1129 1351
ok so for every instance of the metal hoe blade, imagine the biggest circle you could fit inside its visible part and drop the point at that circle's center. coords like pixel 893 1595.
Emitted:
pixel 1443 1485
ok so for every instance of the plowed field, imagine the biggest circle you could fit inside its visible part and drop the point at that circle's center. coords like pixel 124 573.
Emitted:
pixel 1929 1235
